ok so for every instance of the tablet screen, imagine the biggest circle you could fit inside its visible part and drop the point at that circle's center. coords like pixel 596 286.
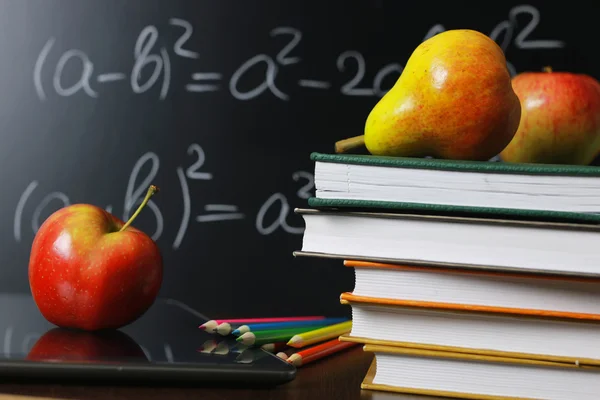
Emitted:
pixel 167 335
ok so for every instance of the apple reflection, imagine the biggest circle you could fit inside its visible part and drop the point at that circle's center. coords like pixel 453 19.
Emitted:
pixel 60 344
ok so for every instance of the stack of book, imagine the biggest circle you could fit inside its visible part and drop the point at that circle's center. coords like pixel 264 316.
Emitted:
pixel 473 279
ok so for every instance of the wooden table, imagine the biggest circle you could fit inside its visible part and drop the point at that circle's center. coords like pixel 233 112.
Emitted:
pixel 337 377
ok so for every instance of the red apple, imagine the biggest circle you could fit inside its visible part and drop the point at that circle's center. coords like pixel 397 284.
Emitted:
pixel 76 345
pixel 560 119
pixel 89 270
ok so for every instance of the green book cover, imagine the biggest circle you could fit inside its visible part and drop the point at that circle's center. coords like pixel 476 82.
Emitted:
pixel 453 165
pixel 458 165
pixel 452 210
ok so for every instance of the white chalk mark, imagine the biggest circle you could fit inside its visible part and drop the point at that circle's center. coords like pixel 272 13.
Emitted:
pixel 281 57
pixel 511 69
pixel 313 84
pixel 187 33
pixel 200 76
pixel 109 208
pixel 146 353
pixel 37 69
pixel 520 39
pixel 220 208
pixel 142 56
pixel 185 191
pixel 159 219
pixel 219 217
pixel 382 74
pixel 349 88
pixel 84 79
pixel 305 191
pixel 268 83
pixel 187 308
pixel 164 90
pixel 19 211
pixel 281 220
pixel 8 341
pixel 130 195
pixel 193 171
pixel 35 221
pixel 168 353
pixel 197 88
pixel 505 27
pixel 434 30
pixel 111 77
pixel 133 197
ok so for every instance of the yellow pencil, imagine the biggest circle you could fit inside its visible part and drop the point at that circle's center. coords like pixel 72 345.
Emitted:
pixel 320 335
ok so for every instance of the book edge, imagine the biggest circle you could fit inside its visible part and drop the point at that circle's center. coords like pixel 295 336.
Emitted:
pixel 479 220
pixel 465 350
pixel 435 393
pixel 351 263
pixel 469 308
pixel 431 264
pixel 408 351
pixel 458 165
pixel 477 212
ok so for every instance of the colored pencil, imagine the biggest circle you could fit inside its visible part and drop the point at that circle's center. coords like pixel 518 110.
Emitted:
pixel 284 325
pixel 225 328
pixel 211 325
pixel 271 336
pixel 317 352
pixel 274 347
pixel 319 335
pixel 284 356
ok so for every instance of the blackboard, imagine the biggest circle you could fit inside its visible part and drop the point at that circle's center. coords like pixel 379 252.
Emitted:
pixel 220 103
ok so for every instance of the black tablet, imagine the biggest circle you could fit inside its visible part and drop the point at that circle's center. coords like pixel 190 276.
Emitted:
pixel 164 345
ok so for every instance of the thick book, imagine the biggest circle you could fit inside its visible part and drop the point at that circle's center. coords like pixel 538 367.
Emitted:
pixel 345 180
pixel 528 294
pixel 472 376
pixel 477 330
pixel 558 248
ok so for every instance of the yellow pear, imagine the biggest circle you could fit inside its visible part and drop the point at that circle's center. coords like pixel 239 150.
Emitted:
pixel 453 100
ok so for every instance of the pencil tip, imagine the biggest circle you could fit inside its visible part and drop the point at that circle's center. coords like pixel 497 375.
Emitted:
pixel 295 359
pixel 235 332
pixel 295 339
pixel 208 326
pixel 223 329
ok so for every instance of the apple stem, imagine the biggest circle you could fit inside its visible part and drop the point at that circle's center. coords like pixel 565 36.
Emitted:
pixel 547 69
pixel 345 145
pixel 151 190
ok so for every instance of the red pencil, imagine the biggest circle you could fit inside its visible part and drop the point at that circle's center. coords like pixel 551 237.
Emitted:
pixel 319 351
pixel 211 325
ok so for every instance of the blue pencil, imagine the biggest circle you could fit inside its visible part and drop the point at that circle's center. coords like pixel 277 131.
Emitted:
pixel 285 325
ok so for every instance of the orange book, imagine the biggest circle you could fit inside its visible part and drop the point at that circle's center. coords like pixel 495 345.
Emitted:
pixel 479 330
pixel 486 291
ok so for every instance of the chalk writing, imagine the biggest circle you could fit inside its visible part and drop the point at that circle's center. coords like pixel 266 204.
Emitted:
pixel 517 29
pixel 187 174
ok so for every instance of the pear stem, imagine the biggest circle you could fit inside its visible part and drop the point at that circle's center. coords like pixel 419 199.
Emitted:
pixel 151 190
pixel 345 145
pixel 547 69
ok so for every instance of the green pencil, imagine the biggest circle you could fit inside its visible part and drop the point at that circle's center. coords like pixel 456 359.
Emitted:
pixel 259 338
